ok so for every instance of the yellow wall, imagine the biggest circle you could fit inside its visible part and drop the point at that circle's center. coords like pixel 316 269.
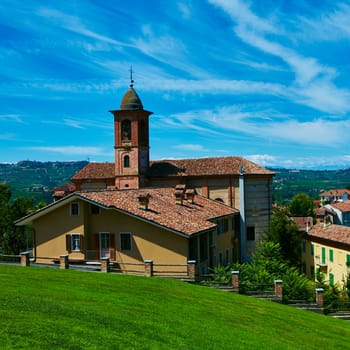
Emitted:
pixel 338 267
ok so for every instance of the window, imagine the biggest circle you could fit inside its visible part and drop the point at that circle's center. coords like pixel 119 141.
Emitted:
pixel 348 260
pixel 126 130
pixel 331 255
pixel 126 161
pixel 95 210
pixel 222 226
pixel 250 233
pixel 323 256
pixel 74 209
pixel 125 241
pixel 74 242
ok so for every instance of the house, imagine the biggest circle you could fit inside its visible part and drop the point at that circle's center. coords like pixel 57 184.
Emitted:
pixel 231 194
pixel 326 249
pixel 338 195
pixel 341 212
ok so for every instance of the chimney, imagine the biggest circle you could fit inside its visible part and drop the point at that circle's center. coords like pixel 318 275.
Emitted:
pixel 179 196
pixel 190 195
pixel 144 200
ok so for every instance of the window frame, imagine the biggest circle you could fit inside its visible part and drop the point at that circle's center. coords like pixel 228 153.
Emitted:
pixel 74 240
pixel 72 212
pixel 94 209
pixel 122 242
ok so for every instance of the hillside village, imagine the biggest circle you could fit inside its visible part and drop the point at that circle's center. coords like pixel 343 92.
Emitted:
pixel 212 211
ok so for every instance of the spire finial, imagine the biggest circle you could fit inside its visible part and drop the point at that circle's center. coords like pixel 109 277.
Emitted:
pixel 131 80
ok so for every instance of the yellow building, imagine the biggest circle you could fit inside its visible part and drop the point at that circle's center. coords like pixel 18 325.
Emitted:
pixel 326 248
pixel 168 226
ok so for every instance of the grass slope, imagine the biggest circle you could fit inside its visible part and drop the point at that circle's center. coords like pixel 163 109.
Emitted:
pixel 42 308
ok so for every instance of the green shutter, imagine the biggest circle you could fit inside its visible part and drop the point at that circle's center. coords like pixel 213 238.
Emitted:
pixel 331 278
pixel 348 260
pixel 312 249
pixel 323 255
pixel 331 257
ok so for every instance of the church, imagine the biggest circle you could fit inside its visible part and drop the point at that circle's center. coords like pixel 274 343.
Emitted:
pixel 211 210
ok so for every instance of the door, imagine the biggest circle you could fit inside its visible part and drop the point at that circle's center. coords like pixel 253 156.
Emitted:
pixel 104 241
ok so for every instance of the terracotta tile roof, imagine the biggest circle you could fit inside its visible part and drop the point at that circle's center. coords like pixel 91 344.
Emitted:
pixel 342 206
pixel 67 188
pixel 333 233
pixel 303 222
pixel 322 211
pixel 205 167
pixel 162 208
pixel 95 171
pixel 333 193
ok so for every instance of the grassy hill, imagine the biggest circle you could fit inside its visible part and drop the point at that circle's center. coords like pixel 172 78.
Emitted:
pixel 31 179
pixel 42 308
pixel 288 182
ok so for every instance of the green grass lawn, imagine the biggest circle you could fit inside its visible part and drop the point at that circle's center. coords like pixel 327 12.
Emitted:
pixel 44 308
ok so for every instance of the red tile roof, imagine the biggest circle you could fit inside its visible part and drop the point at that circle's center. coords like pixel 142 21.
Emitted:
pixel 342 206
pixel 335 193
pixel 332 233
pixel 205 167
pixel 303 222
pixel 162 208
pixel 66 188
pixel 180 167
pixel 95 171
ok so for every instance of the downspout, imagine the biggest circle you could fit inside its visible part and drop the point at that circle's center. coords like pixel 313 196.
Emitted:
pixel 243 230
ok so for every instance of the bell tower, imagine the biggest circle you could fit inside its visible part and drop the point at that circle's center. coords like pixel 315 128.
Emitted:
pixel 131 140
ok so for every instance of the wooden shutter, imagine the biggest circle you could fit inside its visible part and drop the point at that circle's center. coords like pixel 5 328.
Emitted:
pixel 96 246
pixel 81 243
pixel 68 243
pixel 112 246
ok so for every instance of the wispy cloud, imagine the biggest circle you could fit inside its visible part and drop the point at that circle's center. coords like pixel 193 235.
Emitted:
pixel 189 147
pixel 71 150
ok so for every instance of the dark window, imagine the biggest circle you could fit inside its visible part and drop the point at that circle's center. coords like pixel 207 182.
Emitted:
pixel 95 210
pixel 126 162
pixel 142 131
pixel 222 226
pixel 125 241
pixel 74 209
pixel 250 233
pixel 74 242
pixel 203 247
pixel 126 130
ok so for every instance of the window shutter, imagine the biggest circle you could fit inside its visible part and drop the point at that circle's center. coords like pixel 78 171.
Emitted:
pixel 96 246
pixel 112 246
pixel 68 243
pixel 81 243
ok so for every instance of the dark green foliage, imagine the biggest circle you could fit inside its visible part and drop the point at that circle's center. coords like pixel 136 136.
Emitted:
pixel 301 205
pixel 284 231
pixel 13 239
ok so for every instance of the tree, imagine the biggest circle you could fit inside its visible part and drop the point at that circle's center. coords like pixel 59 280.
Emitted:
pixel 301 205
pixel 13 239
pixel 283 230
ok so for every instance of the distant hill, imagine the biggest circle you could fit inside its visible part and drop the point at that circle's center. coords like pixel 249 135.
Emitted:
pixel 37 179
pixel 32 179
pixel 289 182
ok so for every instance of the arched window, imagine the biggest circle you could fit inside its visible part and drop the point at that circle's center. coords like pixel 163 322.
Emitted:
pixel 219 200
pixel 126 161
pixel 126 130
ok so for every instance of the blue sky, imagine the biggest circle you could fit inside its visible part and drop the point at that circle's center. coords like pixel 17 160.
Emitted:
pixel 266 80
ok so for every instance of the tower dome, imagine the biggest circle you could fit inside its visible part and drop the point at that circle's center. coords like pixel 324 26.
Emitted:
pixel 131 100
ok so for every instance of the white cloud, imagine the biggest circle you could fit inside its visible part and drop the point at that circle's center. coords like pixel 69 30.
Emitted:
pixel 190 147
pixel 11 118
pixel 71 150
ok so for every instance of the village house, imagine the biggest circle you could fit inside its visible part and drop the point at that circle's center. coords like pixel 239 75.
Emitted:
pixel 338 195
pixel 326 250
pixel 212 210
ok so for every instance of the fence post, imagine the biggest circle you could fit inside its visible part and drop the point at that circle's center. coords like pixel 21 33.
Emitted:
pixel 148 268
pixel 320 297
pixel 25 259
pixel 279 288
pixel 64 264
pixel 191 270
pixel 235 280
pixel 105 265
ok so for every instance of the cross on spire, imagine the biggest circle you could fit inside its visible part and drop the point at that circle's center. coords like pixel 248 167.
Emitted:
pixel 131 80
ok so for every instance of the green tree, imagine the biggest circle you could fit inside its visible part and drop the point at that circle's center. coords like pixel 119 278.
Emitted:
pixel 13 239
pixel 284 231
pixel 301 205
